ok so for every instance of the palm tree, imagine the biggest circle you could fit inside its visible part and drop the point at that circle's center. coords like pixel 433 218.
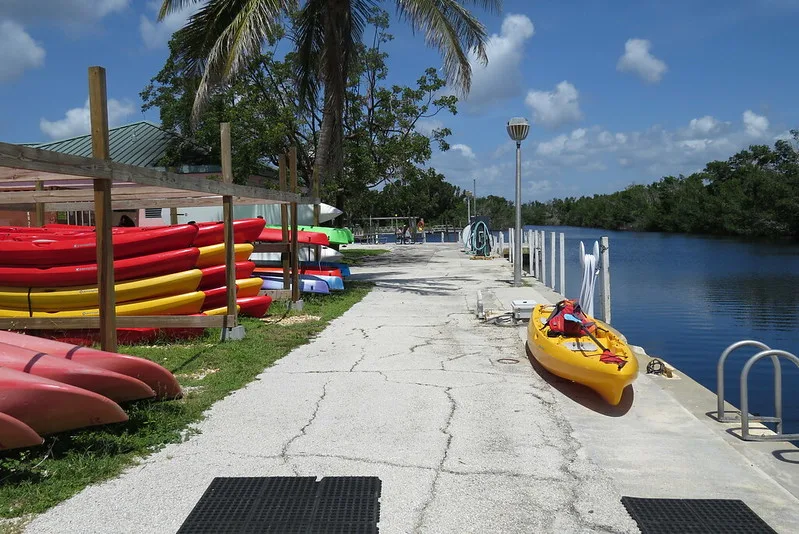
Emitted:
pixel 218 39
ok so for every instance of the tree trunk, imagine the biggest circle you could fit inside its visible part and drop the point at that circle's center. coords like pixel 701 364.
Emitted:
pixel 323 155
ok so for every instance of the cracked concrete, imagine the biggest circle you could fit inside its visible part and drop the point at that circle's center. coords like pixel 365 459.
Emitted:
pixel 407 386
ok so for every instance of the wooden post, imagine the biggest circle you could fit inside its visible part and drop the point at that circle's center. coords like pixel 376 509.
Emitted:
pixel 227 214
pixel 552 262
pixel 562 264
pixel 284 220
pixel 173 215
pixel 543 257
pixel 604 253
pixel 39 207
pixel 98 110
pixel 295 249
pixel 316 210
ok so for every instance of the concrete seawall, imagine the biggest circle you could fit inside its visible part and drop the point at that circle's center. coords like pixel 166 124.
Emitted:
pixel 465 431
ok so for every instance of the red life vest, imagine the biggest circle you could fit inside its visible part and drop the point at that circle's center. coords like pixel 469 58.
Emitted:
pixel 558 325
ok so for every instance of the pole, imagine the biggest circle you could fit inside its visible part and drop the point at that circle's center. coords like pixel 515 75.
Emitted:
pixel 39 206
pixel 552 262
pixel 98 112
pixel 474 190
pixel 295 248
pixel 517 244
pixel 562 264
pixel 605 270
pixel 284 222
pixel 229 238
pixel 543 257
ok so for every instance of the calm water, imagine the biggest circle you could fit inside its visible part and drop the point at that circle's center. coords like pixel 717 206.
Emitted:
pixel 686 298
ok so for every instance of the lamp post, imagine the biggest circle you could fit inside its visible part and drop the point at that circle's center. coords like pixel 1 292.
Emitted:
pixel 518 128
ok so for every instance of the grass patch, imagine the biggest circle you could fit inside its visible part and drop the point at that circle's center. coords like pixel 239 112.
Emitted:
pixel 359 255
pixel 33 480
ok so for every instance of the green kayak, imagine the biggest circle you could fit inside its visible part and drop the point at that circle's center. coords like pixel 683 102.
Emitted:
pixel 337 236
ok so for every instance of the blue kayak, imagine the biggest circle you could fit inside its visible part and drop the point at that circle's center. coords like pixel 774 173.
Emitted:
pixel 334 283
pixel 306 286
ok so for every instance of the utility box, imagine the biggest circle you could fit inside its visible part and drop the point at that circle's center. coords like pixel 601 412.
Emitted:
pixel 522 309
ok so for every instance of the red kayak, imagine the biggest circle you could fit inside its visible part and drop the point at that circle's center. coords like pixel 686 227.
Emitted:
pixel 152 374
pixel 48 406
pixel 215 276
pixel 217 297
pixel 66 251
pixel 244 231
pixel 172 261
pixel 115 386
pixel 125 336
pixel 303 270
pixel 275 235
pixel 15 434
pixel 254 306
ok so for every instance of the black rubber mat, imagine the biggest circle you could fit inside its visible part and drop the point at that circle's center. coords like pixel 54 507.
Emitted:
pixel 287 505
pixel 694 516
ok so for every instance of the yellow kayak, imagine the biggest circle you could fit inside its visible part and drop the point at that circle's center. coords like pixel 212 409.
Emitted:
pixel 76 298
pixel 184 304
pixel 577 358
pixel 215 254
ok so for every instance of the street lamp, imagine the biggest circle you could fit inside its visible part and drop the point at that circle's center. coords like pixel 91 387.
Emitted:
pixel 518 128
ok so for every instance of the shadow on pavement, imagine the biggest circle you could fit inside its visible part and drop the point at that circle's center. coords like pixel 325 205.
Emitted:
pixel 582 394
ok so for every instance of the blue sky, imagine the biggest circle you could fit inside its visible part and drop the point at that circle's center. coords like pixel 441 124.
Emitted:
pixel 616 92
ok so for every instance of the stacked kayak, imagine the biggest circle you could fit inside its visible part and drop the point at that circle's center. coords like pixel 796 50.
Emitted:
pixel 167 270
pixel 335 236
pixel 592 354
pixel 48 387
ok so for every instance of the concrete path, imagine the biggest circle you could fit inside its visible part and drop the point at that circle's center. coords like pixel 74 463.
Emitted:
pixel 408 386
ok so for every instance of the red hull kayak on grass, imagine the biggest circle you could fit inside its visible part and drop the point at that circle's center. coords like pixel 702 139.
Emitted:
pixel 303 270
pixel 215 276
pixel 254 306
pixel 115 386
pixel 125 336
pixel 66 251
pixel 275 235
pixel 15 434
pixel 152 374
pixel 171 261
pixel 48 406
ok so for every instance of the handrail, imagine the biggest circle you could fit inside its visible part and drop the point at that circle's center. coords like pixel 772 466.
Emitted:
pixel 720 378
pixel 778 408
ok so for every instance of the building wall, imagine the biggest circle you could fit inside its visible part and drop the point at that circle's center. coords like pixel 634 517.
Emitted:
pixel 24 218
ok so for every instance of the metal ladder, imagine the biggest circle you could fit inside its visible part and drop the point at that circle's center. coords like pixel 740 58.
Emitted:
pixel 743 416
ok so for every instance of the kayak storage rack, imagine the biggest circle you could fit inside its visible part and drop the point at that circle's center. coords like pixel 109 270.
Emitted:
pixel 743 416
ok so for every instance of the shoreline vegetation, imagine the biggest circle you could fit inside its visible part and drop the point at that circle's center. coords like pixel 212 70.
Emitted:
pixel 33 480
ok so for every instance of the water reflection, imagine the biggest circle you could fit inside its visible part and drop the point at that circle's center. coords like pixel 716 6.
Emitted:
pixel 769 302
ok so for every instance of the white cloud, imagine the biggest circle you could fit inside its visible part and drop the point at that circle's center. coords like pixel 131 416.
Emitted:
pixel 70 11
pixel 466 150
pixel 756 125
pixel 76 121
pixel 639 60
pixel 426 126
pixel 703 125
pixel 553 108
pixel 18 51
pixel 501 77
pixel 157 34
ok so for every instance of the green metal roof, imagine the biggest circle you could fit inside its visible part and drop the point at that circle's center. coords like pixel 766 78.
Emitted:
pixel 140 143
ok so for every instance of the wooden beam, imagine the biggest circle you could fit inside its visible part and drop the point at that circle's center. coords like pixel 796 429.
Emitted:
pixel 173 215
pixel 316 209
pixel 272 247
pixel 54 165
pixel 138 321
pixel 284 221
pixel 39 208
pixel 276 294
pixel 227 208
pixel 98 109
pixel 295 249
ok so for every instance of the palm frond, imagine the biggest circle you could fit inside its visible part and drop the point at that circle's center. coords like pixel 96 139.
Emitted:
pixel 451 28
pixel 222 35
pixel 171 6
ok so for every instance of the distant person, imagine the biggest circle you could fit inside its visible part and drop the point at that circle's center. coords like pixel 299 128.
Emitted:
pixel 126 221
pixel 406 234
